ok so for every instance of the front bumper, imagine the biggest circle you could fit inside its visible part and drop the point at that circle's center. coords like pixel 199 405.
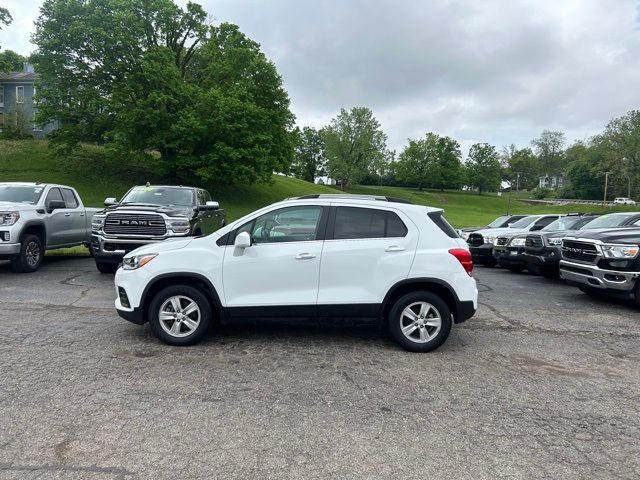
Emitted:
pixel 548 258
pixel 9 249
pixel 113 249
pixel 510 256
pixel 592 276
pixel 482 254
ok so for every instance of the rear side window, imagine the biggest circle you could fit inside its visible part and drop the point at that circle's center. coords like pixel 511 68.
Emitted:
pixel 355 222
pixel 441 222
pixel 69 198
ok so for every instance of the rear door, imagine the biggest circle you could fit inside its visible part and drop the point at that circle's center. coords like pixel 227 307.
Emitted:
pixel 77 232
pixel 367 250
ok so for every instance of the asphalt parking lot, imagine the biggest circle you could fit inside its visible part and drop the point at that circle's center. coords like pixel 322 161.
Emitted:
pixel 542 383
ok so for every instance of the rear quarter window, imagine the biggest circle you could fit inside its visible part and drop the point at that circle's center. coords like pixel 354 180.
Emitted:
pixel 441 222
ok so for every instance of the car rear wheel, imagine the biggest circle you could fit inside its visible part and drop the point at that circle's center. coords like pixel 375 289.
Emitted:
pixel 515 268
pixel 420 321
pixel 30 256
pixel 180 315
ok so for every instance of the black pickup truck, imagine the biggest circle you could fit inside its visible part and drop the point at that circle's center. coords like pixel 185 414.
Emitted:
pixel 603 262
pixel 148 214
pixel 543 250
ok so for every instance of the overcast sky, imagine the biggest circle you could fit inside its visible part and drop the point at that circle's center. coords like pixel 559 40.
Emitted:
pixel 499 71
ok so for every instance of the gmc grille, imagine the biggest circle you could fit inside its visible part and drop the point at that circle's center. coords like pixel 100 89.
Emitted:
pixel 475 240
pixel 134 224
pixel 581 251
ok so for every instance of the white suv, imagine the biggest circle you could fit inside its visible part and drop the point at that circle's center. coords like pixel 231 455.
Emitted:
pixel 343 256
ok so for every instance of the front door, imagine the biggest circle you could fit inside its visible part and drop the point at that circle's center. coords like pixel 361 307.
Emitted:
pixel 60 223
pixel 278 274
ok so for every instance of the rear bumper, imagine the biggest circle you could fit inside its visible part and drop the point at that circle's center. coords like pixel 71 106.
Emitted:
pixel 465 310
pixel 592 276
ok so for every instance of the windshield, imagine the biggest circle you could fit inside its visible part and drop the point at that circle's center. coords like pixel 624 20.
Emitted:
pixel 563 223
pixel 524 222
pixel 498 222
pixel 611 220
pixel 171 196
pixel 20 193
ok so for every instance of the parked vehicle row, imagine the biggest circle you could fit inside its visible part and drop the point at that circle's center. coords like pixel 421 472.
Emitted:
pixel 596 253
pixel 348 256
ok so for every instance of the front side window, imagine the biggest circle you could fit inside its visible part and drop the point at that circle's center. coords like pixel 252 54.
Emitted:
pixel 355 222
pixel 290 224
pixel 69 198
pixel 20 94
pixel 54 195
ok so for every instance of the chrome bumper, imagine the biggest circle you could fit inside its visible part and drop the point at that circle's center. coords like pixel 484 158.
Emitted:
pixel 595 277
pixel 9 248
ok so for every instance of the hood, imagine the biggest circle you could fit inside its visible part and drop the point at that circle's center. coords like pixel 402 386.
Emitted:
pixel 606 235
pixel 474 229
pixel 164 246
pixel 169 211
pixel 554 234
pixel 16 206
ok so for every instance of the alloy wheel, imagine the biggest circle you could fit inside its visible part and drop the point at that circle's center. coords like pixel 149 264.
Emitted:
pixel 179 316
pixel 420 322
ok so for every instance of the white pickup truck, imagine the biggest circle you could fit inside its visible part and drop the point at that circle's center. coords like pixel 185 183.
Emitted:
pixel 35 217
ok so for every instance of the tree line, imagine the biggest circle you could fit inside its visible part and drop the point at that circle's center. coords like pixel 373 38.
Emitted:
pixel 352 149
pixel 148 77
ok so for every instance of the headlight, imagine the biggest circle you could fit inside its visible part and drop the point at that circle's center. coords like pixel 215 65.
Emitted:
pixel 137 261
pixel 517 242
pixel 465 235
pixel 97 222
pixel 554 241
pixel 489 239
pixel 620 251
pixel 181 225
pixel 9 218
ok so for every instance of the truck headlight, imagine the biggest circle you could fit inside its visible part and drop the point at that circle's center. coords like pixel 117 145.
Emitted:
pixel 179 226
pixel 9 218
pixel 554 241
pixel 137 261
pixel 620 251
pixel 517 242
pixel 97 222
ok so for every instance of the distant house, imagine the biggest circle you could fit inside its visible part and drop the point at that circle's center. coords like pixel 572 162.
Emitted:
pixel 552 182
pixel 18 103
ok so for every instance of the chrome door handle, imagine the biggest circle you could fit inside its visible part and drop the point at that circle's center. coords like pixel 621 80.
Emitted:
pixel 82 214
pixel 67 214
pixel 305 256
pixel 394 248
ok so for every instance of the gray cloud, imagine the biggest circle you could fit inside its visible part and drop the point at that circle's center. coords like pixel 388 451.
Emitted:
pixel 496 70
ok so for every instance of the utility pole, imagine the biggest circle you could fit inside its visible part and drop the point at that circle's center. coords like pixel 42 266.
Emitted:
pixel 517 182
pixel 606 184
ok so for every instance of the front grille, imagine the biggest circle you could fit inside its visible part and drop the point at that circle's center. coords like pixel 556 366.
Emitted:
pixel 475 240
pixel 134 224
pixel 502 240
pixel 581 251
pixel 127 247
pixel 533 243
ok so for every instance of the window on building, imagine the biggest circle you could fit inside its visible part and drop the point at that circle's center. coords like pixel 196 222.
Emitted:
pixel 19 94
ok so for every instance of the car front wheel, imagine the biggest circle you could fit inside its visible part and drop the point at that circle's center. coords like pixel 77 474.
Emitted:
pixel 180 315
pixel 420 321
pixel 30 256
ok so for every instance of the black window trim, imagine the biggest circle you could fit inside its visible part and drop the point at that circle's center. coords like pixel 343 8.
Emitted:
pixel 331 224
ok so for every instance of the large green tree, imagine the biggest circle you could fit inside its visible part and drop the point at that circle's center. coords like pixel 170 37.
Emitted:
pixel 5 19
pixel 432 161
pixel 308 160
pixel 483 167
pixel 549 148
pixel 522 167
pixel 353 142
pixel 11 61
pixel 148 75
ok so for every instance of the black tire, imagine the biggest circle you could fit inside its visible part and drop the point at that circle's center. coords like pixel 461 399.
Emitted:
pixel 396 320
pixel 25 262
pixel 490 263
pixel 550 273
pixel 592 292
pixel 106 267
pixel 636 294
pixel 190 293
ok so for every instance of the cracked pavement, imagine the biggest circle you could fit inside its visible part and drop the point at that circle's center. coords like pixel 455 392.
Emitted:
pixel 542 383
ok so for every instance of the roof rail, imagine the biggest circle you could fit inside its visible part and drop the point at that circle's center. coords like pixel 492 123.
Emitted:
pixel 347 196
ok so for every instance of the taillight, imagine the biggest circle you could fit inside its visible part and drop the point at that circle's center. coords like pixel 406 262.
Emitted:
pixel 464 257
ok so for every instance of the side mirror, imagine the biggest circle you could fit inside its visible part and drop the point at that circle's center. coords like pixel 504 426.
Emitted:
pixel 209 206
pixel 108 202
pixel 243 240
pixel 55 205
